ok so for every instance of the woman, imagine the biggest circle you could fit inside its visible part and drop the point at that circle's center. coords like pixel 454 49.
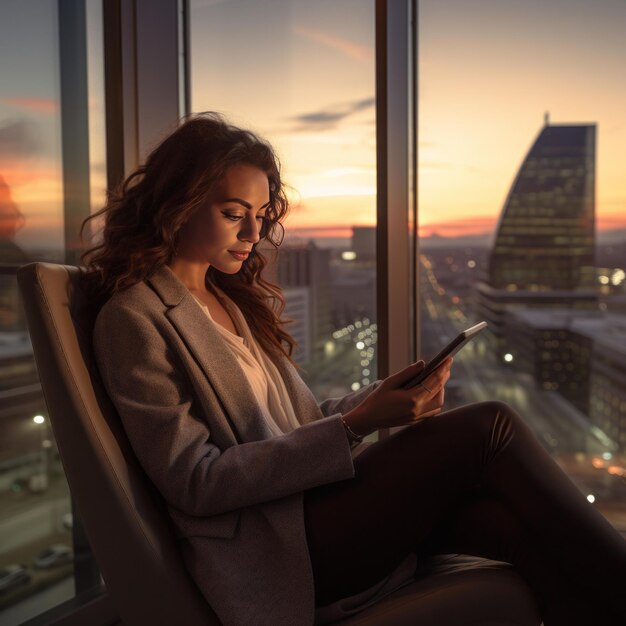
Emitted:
pixel 274 514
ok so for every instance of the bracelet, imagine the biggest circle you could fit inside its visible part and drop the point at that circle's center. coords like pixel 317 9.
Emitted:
pixel 352 436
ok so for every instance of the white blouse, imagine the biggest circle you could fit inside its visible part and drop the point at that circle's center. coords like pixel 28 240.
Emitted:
pixel 264 378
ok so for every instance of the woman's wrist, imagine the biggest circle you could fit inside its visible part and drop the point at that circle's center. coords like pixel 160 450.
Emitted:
pixel 352 436
pixel 354 422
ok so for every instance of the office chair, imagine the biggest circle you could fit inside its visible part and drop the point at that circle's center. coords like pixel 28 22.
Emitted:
pixel 125 517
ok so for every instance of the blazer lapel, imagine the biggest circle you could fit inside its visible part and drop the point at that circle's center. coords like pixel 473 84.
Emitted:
pixel 305 405
pixel 212 354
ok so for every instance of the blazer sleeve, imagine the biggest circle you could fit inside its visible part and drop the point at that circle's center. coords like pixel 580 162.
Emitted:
pixel 172 441
pixel 345 403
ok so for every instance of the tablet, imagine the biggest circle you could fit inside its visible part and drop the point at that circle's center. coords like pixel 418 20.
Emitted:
pixel 450 350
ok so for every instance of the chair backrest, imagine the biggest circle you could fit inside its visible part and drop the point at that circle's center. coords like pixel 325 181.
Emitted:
pixel 124 517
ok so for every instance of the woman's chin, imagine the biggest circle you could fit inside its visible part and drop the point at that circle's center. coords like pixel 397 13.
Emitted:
pixel 228 268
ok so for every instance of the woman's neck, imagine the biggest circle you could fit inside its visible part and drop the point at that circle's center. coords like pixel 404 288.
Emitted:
pixel 192 275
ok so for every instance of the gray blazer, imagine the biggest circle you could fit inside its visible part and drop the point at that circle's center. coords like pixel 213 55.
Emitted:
pixel 234 492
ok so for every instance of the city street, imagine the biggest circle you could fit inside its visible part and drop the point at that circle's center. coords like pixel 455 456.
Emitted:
pixel 477 376
pixel 578 447
pixel 29 523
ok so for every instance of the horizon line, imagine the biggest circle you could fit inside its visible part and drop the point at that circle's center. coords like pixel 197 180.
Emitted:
pixel 438 231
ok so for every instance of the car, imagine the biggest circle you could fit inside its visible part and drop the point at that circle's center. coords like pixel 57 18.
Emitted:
pixel 57 554
pixel 12 576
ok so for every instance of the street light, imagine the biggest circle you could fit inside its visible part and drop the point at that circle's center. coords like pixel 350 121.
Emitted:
pixel 40 420
pixel 508 357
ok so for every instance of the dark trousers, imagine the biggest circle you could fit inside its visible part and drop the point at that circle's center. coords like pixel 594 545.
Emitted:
pixel 476 481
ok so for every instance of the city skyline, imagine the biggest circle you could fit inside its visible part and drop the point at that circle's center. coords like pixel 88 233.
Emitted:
pixel 488 72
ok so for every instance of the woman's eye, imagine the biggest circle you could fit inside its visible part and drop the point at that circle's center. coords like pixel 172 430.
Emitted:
pixel 232 216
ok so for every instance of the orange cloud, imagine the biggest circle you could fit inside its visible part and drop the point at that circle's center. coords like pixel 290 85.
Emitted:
pixel 608 222
pixel 461 226
pixel 464 226
pixel 349 48
pixel 11 219
pixel 17 174
pixel 320 231
pixel 40 105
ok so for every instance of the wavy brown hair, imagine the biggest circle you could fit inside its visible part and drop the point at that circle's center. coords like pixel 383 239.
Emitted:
pixel 143 216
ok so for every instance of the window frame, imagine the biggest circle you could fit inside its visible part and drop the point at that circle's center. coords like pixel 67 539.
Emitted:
pixel 396 227
pixel 143 99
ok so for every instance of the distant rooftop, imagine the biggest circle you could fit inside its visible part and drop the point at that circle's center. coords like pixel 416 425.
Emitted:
pixel 546 294
pixel 606 329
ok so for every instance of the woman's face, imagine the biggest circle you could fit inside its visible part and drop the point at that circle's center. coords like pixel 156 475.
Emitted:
pixel 222 232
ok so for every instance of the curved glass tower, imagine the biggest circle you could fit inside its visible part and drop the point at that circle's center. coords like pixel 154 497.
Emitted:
pixel 545 236
pixel 543 253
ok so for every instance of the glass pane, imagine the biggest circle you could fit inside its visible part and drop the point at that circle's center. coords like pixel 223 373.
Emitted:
pixel 301 74
pixel 36 568
pixel 34 494
pixel 523 220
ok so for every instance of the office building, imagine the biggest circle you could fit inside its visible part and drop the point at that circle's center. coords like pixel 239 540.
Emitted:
pixel 364 243
pixel 543 252
pixel 547 345
pixel 579 354
pixel 298 312
pixel 307 265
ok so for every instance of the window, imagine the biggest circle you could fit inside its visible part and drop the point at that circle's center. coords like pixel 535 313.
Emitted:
pixel 37 224
pixel 522 219
pixel 322 55
pixel 302 75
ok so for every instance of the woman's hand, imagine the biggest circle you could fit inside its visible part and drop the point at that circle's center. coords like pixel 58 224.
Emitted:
pixel 390 405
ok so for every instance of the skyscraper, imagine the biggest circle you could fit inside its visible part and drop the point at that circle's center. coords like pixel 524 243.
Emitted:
pixel 543 253
pixel 307 265
pixel 545 237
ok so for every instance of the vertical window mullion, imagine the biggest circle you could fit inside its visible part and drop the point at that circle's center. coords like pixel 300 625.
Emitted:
pixel 394 171
pixel 142 65
pixel 74 122
pixel 74 99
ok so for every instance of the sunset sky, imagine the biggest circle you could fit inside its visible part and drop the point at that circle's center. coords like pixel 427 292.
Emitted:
pixel 30 142
pixel 489 69
pixel 302 74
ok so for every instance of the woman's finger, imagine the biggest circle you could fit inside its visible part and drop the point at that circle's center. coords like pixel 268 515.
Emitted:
pixel 440 376
pixel 435 405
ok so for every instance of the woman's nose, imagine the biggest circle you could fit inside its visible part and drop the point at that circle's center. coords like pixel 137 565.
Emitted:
pixel 250 229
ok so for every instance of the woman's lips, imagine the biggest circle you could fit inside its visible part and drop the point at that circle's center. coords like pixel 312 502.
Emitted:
pixel 240 256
